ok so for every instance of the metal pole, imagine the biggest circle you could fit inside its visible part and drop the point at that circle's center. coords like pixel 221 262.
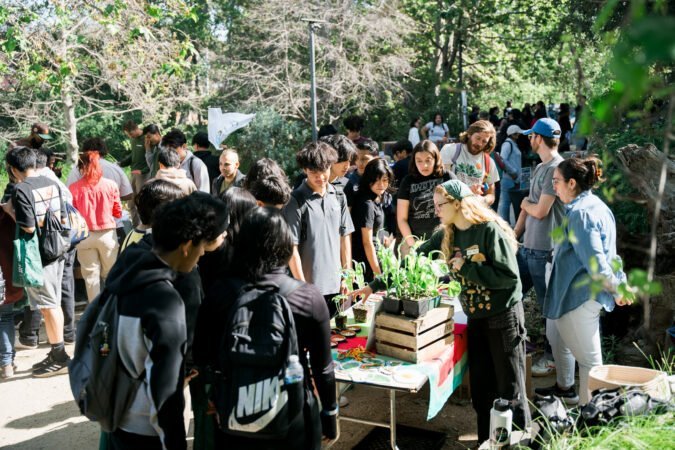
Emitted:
pixel 392 419
pixel 312 94
pixel 463 101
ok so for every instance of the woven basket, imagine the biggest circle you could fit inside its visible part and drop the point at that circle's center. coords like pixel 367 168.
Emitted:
pixel 652 382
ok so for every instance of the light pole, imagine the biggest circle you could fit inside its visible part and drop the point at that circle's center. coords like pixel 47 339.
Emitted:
pixel 313 24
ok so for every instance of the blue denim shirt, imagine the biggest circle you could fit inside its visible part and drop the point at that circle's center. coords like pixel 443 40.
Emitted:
pixel 594 229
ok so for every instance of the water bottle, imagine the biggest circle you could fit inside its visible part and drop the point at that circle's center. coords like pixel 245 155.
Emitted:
pixel 501 418
pixel 294 372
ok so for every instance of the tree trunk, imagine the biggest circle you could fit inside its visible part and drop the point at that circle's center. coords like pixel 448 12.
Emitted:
pixel 70 127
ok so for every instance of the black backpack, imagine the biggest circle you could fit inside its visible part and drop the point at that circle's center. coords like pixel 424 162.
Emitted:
pixel 101 386
pixel 53 236
pixel 250 395
pixel 609 404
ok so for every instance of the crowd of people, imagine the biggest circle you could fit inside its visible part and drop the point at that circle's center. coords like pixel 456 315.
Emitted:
pixel 202 229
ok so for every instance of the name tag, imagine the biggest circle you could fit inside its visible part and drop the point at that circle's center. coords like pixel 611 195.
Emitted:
pixel 472 251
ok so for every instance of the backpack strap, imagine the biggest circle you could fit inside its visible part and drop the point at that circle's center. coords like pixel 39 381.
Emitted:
pixel 455 157
pixel 190 166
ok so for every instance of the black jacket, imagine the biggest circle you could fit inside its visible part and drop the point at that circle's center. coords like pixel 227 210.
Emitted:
pixel 152 338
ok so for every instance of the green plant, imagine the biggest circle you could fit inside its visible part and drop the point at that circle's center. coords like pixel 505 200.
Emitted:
pixel 665 362
pixel 609 347
pixel 414 276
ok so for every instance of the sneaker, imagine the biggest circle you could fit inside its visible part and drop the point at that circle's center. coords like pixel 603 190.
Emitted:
pixel 48 360
pixel 7 371
pixel 54 368
pixel 543 367
pixel 20 345
pixel 344 401
pixel 568 396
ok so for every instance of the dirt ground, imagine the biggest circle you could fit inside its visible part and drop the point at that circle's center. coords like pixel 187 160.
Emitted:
pixel 41 414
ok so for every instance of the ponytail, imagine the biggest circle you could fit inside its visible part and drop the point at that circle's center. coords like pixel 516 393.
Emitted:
pixel 586 172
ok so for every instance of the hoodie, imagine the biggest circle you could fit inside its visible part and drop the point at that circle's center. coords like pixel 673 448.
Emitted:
pixel 177 177
pixel 152 340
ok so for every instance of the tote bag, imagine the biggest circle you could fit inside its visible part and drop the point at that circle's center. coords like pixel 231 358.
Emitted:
pixel 27 268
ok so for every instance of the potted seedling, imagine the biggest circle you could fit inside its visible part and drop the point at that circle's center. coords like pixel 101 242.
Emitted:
pixel 413 282
pixel 340 317
pixel 356 277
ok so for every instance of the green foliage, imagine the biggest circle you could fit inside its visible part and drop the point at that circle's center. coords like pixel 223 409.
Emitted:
pixel 414 276
pixel 639 432
pixel 270 136
pixel 664 362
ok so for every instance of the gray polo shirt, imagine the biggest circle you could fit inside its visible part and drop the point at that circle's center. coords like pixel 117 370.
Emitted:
pixel 538 231
pixel 327 219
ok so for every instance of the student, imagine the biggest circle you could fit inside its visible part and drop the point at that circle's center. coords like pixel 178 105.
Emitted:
pixel 354 124
pixel 368 214
pixel 540 213
pixel 510 155
pixel 153 329
pixel 366 151
pixel 470 159
pixel 9 296
pixel 414 131
pixel 136 161
pixel 32 196
pixel 436 131
pixel 271 191
pixel 152 137
pixel 98 200
pixel 262 168
pixel 320 223
pixel 194 167
pixel 262 253
pixel 346 153
pixel 230 175
pixel 571 307
pixel 169 170
pixel 480 250
pixel 200 147
pixel 150 197
pixel 415 205
pixel 402 151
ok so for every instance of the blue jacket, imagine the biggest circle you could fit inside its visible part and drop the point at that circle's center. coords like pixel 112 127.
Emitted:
pixel 590 232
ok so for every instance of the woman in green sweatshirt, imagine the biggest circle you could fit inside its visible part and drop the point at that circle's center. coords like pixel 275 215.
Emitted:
pixel 481 252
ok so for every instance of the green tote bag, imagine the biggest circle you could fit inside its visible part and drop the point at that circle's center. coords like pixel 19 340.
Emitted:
pixel 27 268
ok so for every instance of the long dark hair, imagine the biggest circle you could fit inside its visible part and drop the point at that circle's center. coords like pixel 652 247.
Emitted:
pixel 264 244
pixel 429 147
pixel 586 172
pixel 375 169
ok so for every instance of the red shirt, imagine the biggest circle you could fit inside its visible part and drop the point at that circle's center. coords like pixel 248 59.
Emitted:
pixel 98 203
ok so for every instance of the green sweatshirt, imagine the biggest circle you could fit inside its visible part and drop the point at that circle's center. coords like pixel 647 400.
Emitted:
pixel 489 277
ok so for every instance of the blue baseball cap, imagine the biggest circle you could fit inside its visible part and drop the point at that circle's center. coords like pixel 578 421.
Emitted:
pixel 546 127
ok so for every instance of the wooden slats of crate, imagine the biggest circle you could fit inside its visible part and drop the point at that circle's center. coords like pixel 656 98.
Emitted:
pixel 411 339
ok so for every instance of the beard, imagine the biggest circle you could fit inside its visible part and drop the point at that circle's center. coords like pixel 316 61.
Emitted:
pixel 475 149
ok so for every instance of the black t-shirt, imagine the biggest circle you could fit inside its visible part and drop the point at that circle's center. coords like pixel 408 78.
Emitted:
pixel 31 198
pixel 400 170
pixel 211 161
pixel 366 213
pixel 419 191
pixel 352 188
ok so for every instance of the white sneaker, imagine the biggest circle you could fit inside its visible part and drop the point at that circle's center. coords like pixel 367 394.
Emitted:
pixel 543 367
pixel 343 401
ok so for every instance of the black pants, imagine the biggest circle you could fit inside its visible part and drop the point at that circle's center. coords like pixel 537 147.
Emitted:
pixel 68 296
pixel 30 326
pixel 121 440
pixel 496 348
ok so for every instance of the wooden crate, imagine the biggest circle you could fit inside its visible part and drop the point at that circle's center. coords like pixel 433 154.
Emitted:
pixel 414 340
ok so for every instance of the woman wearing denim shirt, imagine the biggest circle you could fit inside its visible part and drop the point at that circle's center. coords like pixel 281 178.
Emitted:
pixel 572 311
pixel 510 154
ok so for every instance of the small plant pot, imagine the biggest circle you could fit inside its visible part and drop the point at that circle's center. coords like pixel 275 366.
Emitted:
pixel 392 305
pixel 419 307
pixel 341 321
pixel 361 313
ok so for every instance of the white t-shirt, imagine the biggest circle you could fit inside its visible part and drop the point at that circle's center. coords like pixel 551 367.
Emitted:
pixel 470 169
pixel 414 136
pixel 436 132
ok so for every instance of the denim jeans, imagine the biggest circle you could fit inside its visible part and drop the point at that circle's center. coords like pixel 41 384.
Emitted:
pixel 6 335
pixel 505 202
pixel 532 268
